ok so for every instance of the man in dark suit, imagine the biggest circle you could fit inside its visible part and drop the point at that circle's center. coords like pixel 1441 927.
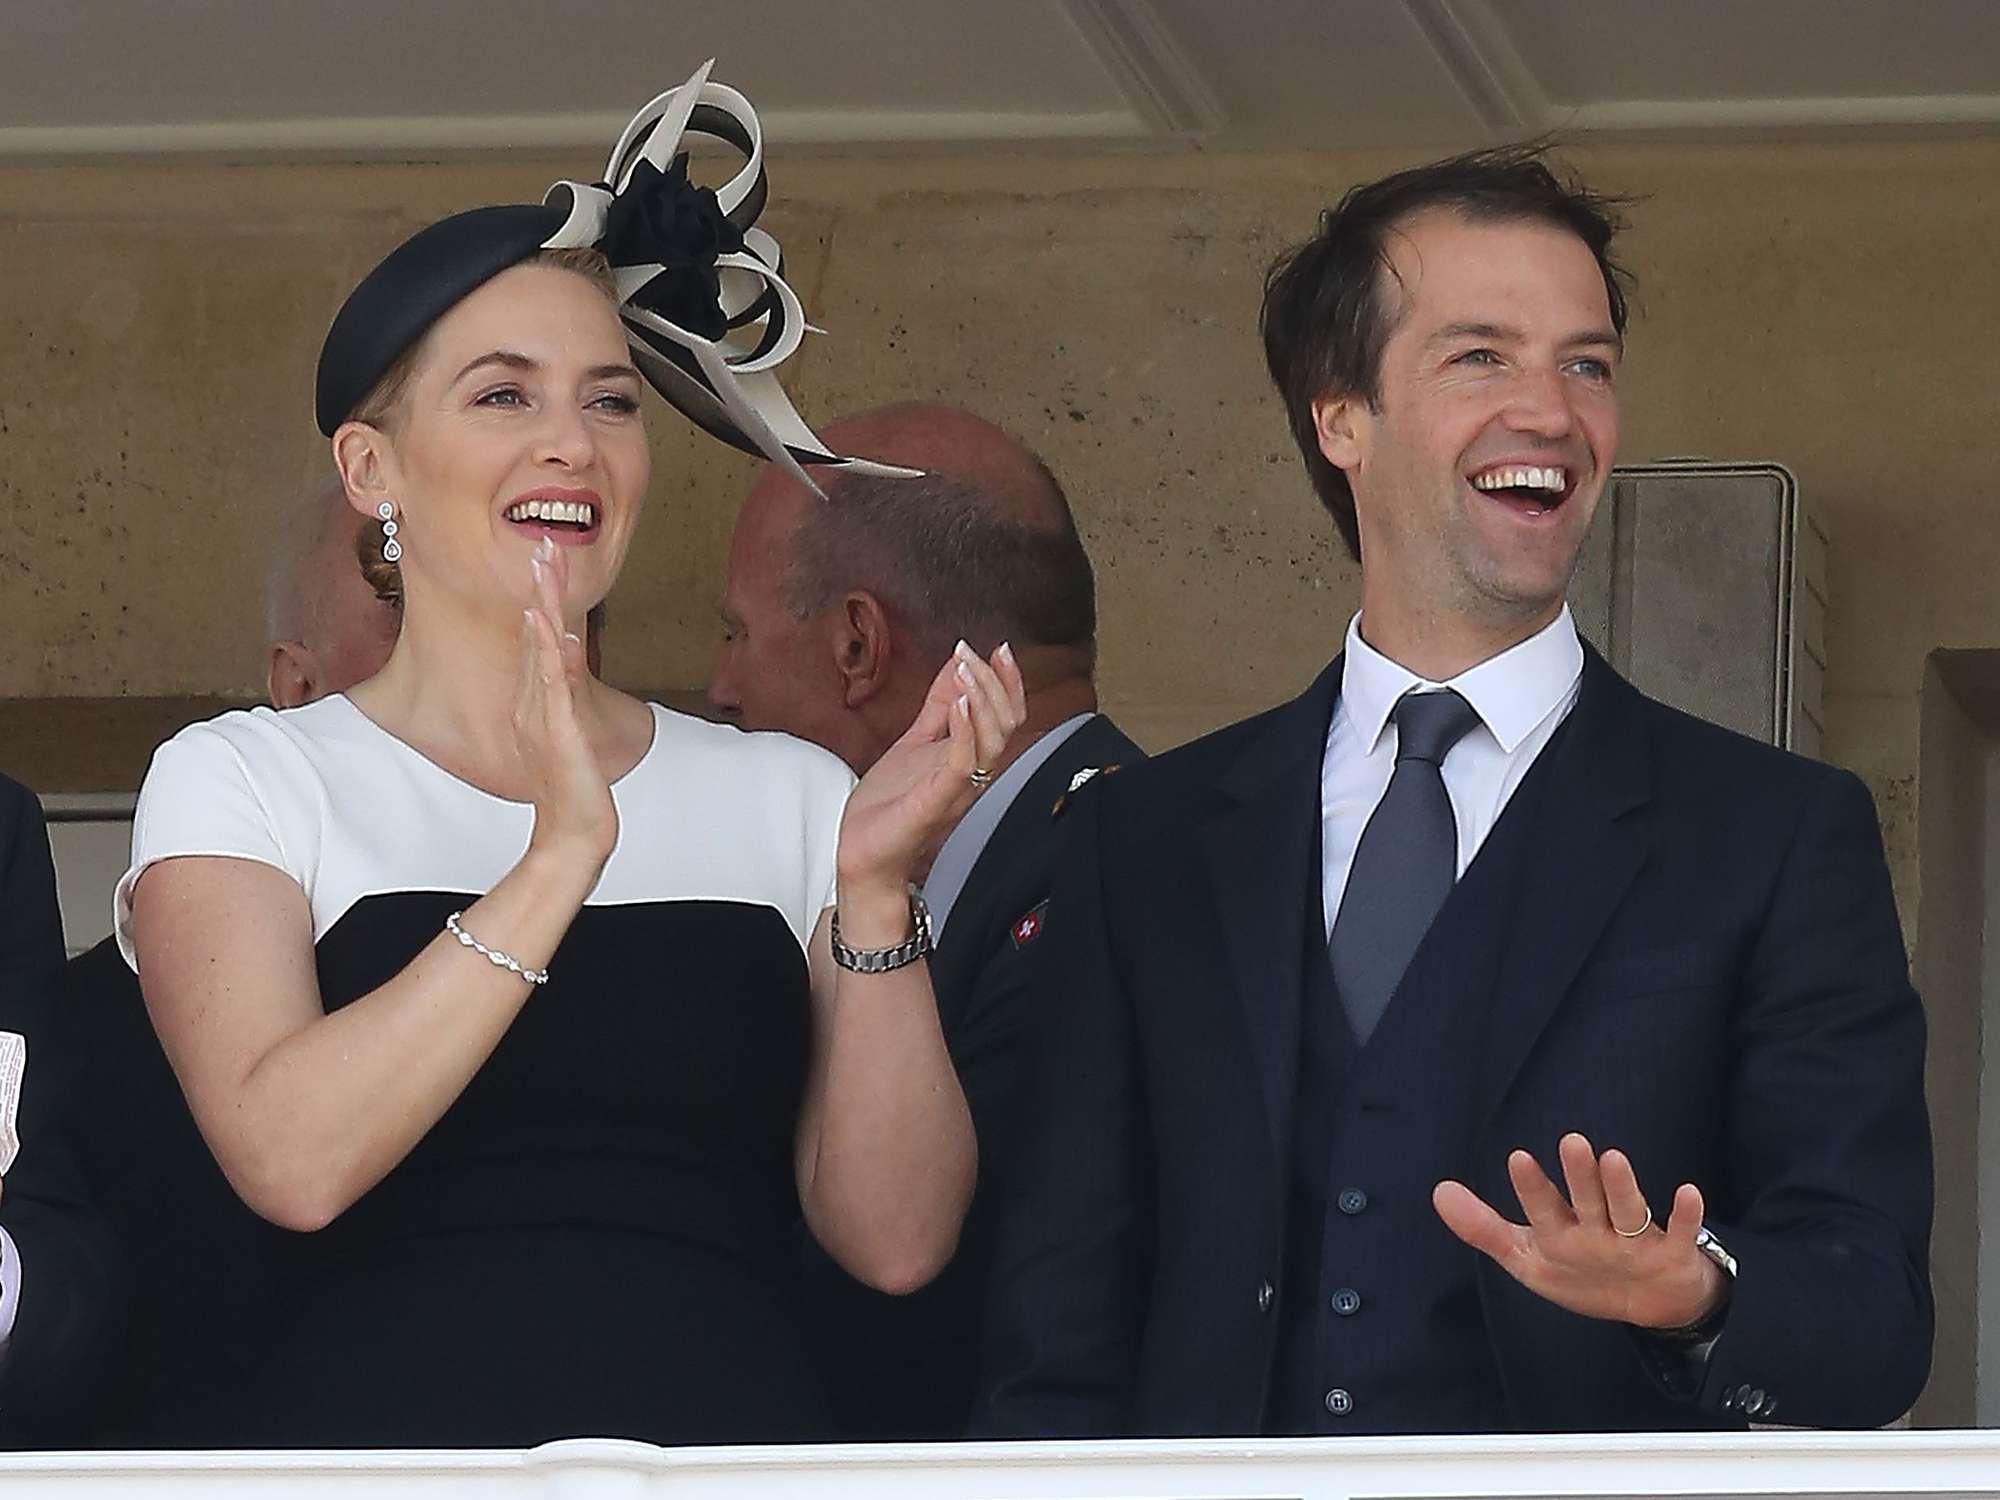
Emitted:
pixel 1340 994
pixel 839 613
pixel 143 1270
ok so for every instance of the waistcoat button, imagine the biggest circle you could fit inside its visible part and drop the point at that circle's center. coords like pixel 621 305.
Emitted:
pixel 1267 1296
pixel 1352 1201
pixel 1339 1402
pixel 1347 1302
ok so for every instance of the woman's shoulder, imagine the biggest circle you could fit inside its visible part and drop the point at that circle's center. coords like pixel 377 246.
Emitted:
pixel 266 746
pixel 259 731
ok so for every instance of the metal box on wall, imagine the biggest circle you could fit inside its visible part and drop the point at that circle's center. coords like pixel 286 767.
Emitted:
pixel 1704 584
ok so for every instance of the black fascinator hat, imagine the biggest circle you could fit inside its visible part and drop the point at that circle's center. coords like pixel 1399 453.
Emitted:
pixel 701 289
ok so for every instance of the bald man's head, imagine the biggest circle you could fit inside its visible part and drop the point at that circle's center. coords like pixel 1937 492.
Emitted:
pixel 328 628
pixel 838 612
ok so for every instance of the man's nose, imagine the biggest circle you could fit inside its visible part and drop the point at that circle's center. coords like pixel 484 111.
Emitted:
pixel 722 692
pixel 1539 402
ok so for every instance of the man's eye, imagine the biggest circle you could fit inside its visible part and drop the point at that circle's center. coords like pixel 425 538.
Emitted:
pixel 1592 369
pixel 1477 357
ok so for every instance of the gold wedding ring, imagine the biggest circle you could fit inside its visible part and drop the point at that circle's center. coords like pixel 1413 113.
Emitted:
pixel 979 776
pixel 1633 1234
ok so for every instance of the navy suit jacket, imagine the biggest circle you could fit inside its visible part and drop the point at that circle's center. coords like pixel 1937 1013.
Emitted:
pixel 1703 968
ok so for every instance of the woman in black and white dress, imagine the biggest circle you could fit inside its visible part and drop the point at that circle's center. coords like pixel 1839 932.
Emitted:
pixel 537 1011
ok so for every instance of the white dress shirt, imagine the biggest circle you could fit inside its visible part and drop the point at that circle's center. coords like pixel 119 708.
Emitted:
pixel 966 842
pixel 1521 696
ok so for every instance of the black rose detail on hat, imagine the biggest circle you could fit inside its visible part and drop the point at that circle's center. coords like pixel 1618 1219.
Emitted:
pixel 663 219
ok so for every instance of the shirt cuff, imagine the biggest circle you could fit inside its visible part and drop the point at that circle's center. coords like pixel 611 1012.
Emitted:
pixel 10 1289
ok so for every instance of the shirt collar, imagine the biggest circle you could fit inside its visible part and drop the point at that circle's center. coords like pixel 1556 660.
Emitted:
pixel 1511 692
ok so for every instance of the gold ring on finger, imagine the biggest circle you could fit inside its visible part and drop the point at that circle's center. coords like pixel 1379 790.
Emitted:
pixel 979 776
pixel 1633 1234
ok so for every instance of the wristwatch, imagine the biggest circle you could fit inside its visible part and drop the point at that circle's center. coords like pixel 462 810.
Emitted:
pixel 1706 1242
pixel 883 960
pixel 1705 1328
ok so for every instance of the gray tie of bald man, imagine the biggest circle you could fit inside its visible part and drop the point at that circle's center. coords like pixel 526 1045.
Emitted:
pixel 1405 864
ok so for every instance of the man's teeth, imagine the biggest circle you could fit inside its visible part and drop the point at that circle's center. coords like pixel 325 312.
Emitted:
pixel 575 512
pixel 1522 479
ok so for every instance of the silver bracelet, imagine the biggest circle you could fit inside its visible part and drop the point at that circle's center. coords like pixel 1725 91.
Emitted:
pixel 886 960
pixel 493 956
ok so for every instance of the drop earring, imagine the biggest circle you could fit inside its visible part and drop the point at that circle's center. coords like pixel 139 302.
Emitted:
pixel 392 550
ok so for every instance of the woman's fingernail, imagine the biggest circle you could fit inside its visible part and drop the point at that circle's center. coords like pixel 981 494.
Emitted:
pixel 573 637
pixel 545 549
pixel 961 651
pixel 965 675
pixel 964 705
pixel 1006 653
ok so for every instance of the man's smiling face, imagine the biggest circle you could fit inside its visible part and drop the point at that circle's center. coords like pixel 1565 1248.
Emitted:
pixel 1477 471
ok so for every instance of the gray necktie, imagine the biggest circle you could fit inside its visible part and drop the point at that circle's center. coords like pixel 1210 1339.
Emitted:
pixel 1405 864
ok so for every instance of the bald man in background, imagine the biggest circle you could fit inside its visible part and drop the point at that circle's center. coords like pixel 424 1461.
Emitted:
pixel 140 1267
pixel 837 614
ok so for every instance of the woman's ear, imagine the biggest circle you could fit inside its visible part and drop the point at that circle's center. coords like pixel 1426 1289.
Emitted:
pixel 363 456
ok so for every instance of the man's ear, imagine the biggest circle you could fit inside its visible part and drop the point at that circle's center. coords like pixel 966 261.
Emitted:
pixel 863 653
pixel 1336 420
pixel 291 676
pixel 361 453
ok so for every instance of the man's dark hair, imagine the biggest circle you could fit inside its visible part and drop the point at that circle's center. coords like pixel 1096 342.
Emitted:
pixel 943 558
pixel 1324 318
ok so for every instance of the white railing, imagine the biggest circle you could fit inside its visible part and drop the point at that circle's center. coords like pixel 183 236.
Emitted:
pixel 1761 1464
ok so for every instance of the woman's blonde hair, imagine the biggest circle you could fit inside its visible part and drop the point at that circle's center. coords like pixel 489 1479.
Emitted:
pixel 382 407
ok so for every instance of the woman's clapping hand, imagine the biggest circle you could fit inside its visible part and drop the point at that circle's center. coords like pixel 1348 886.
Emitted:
pixel 910 799
pixel 574 813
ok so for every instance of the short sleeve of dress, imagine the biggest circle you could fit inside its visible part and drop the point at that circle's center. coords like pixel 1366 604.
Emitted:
pixel 827 804
pixel 202 795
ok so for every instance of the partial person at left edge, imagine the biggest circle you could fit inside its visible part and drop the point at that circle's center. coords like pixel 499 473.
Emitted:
pixel 31 953
pixel 145 1275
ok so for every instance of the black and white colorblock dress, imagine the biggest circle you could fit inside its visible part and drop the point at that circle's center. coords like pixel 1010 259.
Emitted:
pixel 594 1240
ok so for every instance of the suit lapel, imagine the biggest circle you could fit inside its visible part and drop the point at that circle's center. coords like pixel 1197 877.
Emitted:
pixel 1021 843
pixel 1261 837
pixel 1586 849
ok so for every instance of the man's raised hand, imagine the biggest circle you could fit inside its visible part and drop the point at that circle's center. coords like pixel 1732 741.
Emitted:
pixel 1597 1251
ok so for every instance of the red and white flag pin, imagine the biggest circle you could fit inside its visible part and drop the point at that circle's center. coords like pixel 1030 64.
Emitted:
pixel 1029 927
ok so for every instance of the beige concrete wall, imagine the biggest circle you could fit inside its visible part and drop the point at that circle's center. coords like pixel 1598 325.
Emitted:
pixel 1828 305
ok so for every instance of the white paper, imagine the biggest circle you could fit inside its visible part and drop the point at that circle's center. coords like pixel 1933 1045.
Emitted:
pixel 13 1064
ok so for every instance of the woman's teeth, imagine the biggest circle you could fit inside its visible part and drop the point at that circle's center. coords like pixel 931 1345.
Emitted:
pixel 1527 478
pixel 568 512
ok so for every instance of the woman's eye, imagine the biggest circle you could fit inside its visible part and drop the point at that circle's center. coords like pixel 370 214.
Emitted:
pixel 506 395
pixel 614 401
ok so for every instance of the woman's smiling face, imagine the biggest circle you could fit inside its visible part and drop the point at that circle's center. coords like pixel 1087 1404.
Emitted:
pixel 520 421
